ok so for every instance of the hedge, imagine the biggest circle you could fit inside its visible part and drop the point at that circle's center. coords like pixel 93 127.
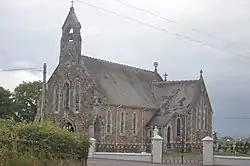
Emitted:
pixel 43 143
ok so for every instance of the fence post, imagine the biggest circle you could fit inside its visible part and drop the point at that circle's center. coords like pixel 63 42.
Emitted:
pixel 208 152
pixel 157 149
pixel 92 148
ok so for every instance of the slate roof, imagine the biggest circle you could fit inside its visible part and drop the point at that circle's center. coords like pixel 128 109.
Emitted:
pixel 175 97
pixel 121 84
pixel 71 18
pixel 130 86
pixel 176 94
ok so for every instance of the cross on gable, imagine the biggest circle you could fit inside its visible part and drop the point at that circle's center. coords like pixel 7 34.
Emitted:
pixel 72 3
pixel 165 76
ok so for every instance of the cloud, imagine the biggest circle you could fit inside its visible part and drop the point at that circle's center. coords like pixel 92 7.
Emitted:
pixel 30 35
pixel 10 80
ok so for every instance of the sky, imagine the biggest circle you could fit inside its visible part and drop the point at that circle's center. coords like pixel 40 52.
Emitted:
pixel 30 35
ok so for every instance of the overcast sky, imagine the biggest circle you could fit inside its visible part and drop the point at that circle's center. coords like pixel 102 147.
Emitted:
pixel 30 34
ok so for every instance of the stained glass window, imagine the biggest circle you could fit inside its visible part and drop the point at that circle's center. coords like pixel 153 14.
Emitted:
pixel 134 123
pixel 122 121
pixel 66 95
pixel 109 118
pixel 178 127
pixel 77 97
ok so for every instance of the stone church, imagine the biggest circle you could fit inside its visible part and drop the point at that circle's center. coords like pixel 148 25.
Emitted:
pixel 118 103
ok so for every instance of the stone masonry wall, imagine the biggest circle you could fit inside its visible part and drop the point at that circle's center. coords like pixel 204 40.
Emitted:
pixel 71 74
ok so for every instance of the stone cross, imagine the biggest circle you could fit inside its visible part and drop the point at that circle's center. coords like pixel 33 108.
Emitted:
pixel 165 76
pixel 156 131
pixel 72 3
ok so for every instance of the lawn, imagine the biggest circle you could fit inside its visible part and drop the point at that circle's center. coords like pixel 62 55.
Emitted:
pixel 178 155
pixel 233 154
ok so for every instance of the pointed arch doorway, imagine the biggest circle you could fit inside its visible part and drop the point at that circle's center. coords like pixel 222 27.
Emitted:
pixel 66 123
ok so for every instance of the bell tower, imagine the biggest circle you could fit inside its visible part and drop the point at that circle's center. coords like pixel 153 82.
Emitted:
pixel 71 41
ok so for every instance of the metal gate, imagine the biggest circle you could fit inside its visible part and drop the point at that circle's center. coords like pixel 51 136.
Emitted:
pixel 182 153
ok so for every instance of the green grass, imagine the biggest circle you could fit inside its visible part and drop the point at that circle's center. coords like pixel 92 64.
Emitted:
pixel 234 154
pixel 177 155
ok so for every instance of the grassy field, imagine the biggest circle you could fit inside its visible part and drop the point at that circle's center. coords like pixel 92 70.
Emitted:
pixel 233 154
pixel 178 155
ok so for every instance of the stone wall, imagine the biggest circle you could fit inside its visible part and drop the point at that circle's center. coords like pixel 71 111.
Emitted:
pixel 115 134
pixel 82 118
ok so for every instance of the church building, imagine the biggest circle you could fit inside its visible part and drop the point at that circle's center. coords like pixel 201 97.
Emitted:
pixel 116 103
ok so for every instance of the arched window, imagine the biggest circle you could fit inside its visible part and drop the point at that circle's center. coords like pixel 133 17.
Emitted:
pixel 71 99
pixel 184 127
pixel 108 122
pixel 168 134
pixel 77 96
pixel 178 127
pixel 66 95
pixel 200 118
pixel 206 118
pixel 197 118
pixel 122 121
pixel 134 124
pixel 56 97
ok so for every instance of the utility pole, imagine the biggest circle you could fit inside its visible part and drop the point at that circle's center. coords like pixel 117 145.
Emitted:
pixel 43 91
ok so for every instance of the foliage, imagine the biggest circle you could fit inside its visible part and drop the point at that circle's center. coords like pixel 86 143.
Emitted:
pixel 25 96
pixel 226 138
pixel 6 104
pixel 215 137
pixel 237 147
pixel 26 143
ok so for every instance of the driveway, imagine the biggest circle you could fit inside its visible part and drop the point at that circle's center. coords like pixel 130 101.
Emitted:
pixel 103 162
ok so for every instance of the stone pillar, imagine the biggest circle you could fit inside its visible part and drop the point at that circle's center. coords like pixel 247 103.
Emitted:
pixel 157 149
pixel 92 148
pixel 208 152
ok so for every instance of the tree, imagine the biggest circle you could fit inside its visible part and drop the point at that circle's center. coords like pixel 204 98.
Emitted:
pixel 215 137
pixel 7 106
pixel 25 96
pixel 227 138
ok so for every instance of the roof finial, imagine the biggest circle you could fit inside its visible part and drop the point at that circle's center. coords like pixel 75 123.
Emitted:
pixel 201 72
pixel 156 64
pixel 165 77
pixel 72 3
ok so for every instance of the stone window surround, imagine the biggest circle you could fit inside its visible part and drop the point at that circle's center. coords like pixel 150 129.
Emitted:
pixel 183 126
pixel 171 133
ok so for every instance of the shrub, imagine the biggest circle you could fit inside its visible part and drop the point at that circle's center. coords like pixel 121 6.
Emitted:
pixel 31 142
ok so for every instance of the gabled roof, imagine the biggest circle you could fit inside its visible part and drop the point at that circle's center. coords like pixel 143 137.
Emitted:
pixel 175 97
pixel 176 94
pixel 71 18
pixel 121 84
